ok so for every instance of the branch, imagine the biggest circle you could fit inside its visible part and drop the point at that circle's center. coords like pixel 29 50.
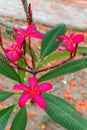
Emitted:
pixel 15 66
pixel 31 53
pixel 24 43
pixel 63 62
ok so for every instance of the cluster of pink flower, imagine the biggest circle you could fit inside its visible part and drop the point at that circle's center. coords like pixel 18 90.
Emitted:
pixel 70 41
pixel 14 53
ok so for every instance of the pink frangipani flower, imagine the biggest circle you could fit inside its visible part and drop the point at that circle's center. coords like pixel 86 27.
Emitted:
pixel 13 52
pixel 70 41
pixel 28 32
pixel 33 91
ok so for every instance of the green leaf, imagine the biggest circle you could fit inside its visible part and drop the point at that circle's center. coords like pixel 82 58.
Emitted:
pixel 21 73
pixel 81 49
pixel 63 113
pixel 49 44
pixel 67 68
pixel 19 122
pixel 8 71
pixel 8 31
pixel 4 57
pixel 4 95
pixel 4 116
pixel 57 55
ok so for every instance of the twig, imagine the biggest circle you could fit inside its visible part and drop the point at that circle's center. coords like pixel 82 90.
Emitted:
pixel 25 54
pixel 31 53
pixel 63 62
pixel 25 5
pixel 30 14
pixel 16 66
pixel 52 67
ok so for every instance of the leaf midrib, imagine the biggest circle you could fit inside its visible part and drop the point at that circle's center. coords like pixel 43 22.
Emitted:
pixel 65 113
pixel 49 44
pixel 56 70
pixel 6 114
pixel 20 120
pixel 10 94
pixel 79 63
pixel 8 68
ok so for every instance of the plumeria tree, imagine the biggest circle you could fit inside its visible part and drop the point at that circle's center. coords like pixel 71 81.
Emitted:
pixel 14 65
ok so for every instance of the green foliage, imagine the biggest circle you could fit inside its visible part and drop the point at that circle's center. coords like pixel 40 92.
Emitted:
pixel 49 43
pixel 21 73
pixel 8 71
pixel 3 57
pixel 67 68
pixel 4 116
pixel 63 113
pixel 19 122
pixel 4 95
pixel 8 31
pixel 81 49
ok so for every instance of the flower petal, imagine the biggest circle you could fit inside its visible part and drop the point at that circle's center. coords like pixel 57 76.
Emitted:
pixel 40 101
pixel 60 46
pixel 18 50
pixel 23 99
pixel 78 38
pixel 8 53
pixel 70 48
pixel 16 56
pixel 72 35
pixel 21 87
pixel 32 82
pixel 37 35
pixel 30 29
pixel 19 31
pixel 64 37
pixel 44 87
pixel 20 39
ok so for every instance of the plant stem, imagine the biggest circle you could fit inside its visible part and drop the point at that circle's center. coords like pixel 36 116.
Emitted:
pixel 9 63
pixel 30 14
pixel 24 49
pixel 52 67
pixel 31 52
pixel 15 66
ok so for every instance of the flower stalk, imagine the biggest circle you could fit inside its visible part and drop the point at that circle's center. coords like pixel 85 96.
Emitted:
pixel 55 66
pixel 30 48
pixel 63 62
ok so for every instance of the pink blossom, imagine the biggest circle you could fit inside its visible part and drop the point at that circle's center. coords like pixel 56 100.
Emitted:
pixel 28 32
pixel 33 91
pixel 70 41
pixel 13 52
